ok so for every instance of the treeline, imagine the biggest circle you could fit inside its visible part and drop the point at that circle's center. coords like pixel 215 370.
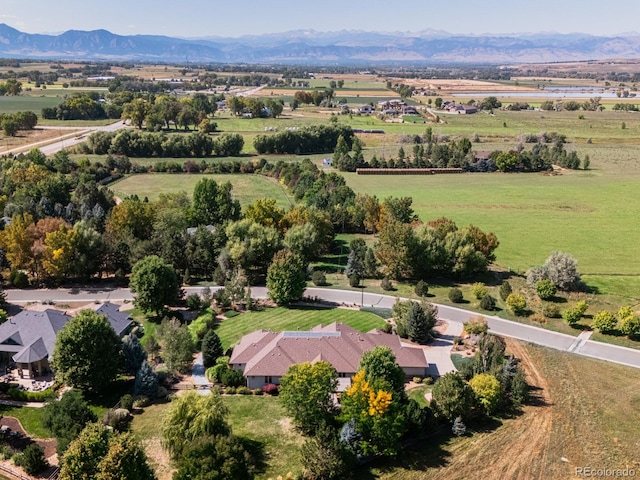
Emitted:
pixel 256 107
pixel 11 123
pixel 306 140
pixel 81 106
pixel 431 151
pixel 132 143
pixel 405 247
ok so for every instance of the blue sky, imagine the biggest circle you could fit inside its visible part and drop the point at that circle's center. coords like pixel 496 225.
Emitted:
pixel 197 18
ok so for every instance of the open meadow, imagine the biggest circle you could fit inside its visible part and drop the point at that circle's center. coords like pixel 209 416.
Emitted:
pixel 246 188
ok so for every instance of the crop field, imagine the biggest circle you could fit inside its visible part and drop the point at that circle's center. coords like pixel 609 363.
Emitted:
pixel 24 103
pixel 246 188
pixel 301 318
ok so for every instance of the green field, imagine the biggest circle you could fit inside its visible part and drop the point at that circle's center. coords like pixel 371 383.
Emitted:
pixel 588 214
pixel 24 103
pixel 300 318
pixel 246 188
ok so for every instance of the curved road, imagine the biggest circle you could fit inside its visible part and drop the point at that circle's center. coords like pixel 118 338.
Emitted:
pixel 579 345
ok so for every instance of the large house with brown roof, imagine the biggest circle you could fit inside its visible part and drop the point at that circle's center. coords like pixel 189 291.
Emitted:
pixel 265 356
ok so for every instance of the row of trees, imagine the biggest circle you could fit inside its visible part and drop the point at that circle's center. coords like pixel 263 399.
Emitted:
pixel 268 108
pixel 132 143
pixel 11 123
pixel 306 140
pixel 430 152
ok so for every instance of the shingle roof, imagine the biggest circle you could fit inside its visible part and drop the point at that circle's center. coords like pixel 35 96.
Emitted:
pixel 269 353
pixel 31 334
pixel 118 320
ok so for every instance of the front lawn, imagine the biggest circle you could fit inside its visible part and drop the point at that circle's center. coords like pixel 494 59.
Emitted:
pixel 294 318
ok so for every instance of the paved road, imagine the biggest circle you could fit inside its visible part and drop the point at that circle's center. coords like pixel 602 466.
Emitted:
pixel 453 315
pixel 66 140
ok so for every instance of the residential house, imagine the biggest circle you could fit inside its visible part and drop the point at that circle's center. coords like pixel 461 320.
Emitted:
pixel 366 110
pixel 29 338
pixel 265 356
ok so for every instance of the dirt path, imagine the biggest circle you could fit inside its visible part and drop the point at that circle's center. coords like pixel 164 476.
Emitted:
pixel 515 450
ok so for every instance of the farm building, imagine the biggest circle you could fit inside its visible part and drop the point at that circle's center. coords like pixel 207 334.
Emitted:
pixel 265 356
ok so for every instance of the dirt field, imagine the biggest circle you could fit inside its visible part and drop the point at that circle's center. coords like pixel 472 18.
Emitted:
pixel 29 137
pixel 454 86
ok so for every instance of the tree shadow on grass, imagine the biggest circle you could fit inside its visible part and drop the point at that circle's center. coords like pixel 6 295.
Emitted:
pixel 580 326
pixel 255 449
pixel 111 396
pixel 420 457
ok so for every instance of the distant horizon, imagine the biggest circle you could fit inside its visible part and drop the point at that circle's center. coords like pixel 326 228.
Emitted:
pixel 407 33
pixel 201 18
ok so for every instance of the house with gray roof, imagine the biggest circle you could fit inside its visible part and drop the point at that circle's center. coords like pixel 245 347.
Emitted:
pixel 265 356
pixel 29 338
pixel 120 322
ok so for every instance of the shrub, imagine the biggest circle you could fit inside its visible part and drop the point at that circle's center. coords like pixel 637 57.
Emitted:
pixel 458 428
pixel 516 303
pixel 573 314
pixel 243 391
pixel 25 396
pixel 476 325
pixel 604 322
pixel 18 279
pixel 386 284
pixel 479 290
pixel 546 289
pixel 505 290
pixel 193 301
pixel 141 401
pixel 488 303
pixel 354 280
pixel 416 380
pixel 551 310
pixel 32 459
pixel 230 390
pixel 270 389
pixel 126 402
pixel 232 378
pixel 256 391
pixel 455 295
pixel 427 380
pixel 6 452
pixel 538 318
pixel 421 289
pixel 319 278
pixel 118 419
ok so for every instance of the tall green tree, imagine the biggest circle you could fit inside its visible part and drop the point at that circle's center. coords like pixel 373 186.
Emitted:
pixel 87 352
pixel 286 278
pixel 382 371
pixel 155 284
pixel 66 418
pixel 213 204
pixel 192 416
pixel 420 321
pixel 453 397
pixel 211 348
pixel 305 393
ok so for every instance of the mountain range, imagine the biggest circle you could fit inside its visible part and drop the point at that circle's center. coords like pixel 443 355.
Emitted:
pixel 316 48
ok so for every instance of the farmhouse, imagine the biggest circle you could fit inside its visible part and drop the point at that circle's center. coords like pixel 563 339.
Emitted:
pixel 29 338
pixel 265 356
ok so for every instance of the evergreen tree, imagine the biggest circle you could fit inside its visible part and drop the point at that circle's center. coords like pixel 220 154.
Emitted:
pixel 146 382
pixel 134 354
pixel 354 265
pixel 211 348
pixel 458 428
pixel 370 264
pixel 418 323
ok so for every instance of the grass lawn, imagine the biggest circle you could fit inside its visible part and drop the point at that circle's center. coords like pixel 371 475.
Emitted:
pixel 259 419
pixel 297 318
pixel 418 394
pixel 29 418
pixel 246 188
